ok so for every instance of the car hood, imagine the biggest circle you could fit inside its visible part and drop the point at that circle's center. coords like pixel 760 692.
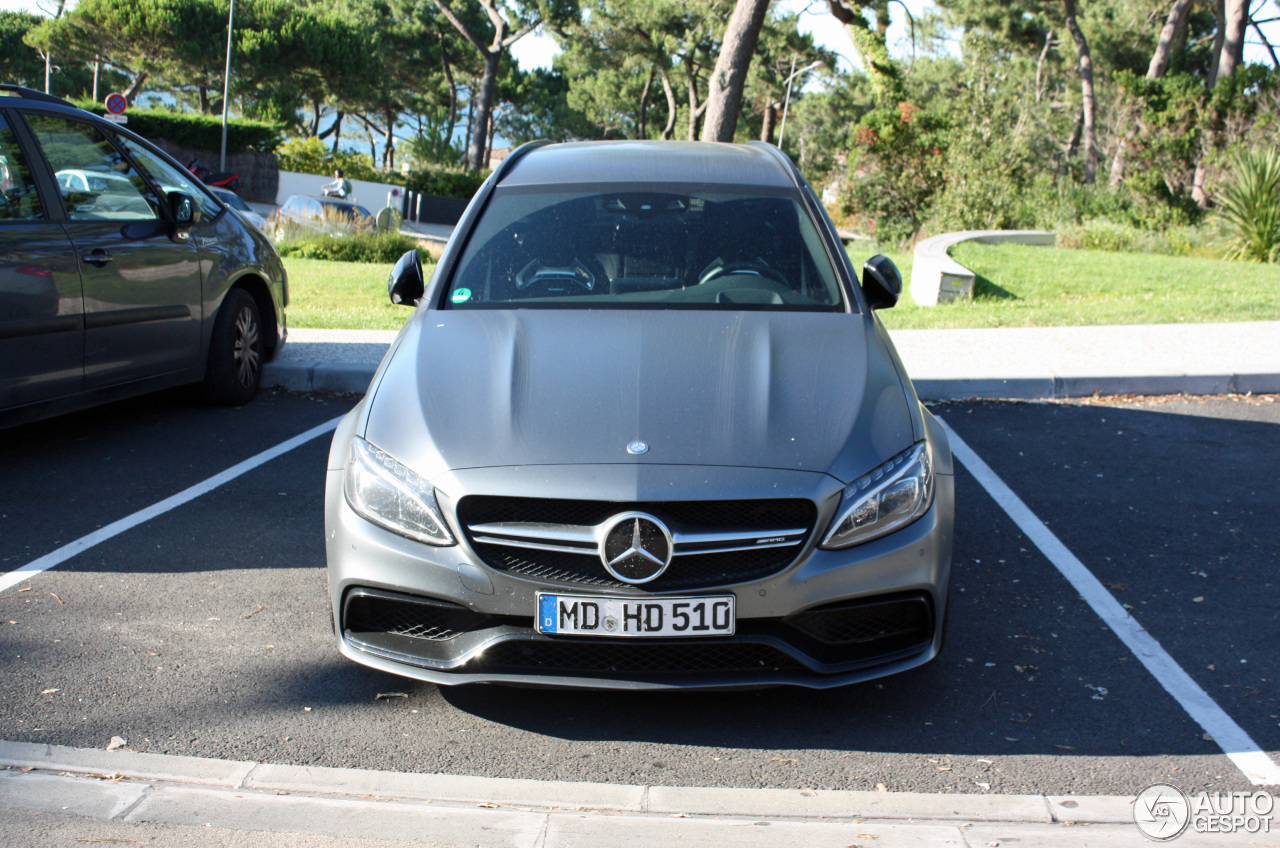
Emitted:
pixel 479 388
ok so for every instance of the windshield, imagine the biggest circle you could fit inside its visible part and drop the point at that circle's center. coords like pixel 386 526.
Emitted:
pixel 233 200
pixel 347 210
pixel 661 249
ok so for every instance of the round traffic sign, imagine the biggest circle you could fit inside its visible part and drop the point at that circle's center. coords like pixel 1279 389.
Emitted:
pixel 116 104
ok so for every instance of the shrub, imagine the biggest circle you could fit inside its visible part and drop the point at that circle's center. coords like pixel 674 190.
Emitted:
pixel 358 247
pixel 445 181
pixel 1250 206
pixel 313 156
pixel 197 132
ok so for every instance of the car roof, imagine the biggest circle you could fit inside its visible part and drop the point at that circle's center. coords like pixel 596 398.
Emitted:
pixel 699 162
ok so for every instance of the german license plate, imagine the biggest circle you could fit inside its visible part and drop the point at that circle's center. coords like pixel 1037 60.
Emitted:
pixel 599 615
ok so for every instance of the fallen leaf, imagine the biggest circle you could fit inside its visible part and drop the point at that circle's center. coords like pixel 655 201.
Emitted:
pixel 1066 747
pixel 944 768
pixel 1197 599
pixel 116 742
pixel 880 787
pixel 259 609
pixel 781 760
pixel 59 600
pixel 114 841
pixel 384 695
pixel 709 757
pixel 50 691
pixel 867 836
pixel 488 806
pixel 25 589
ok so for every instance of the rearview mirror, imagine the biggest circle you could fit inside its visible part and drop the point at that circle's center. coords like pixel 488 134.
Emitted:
pixel 406 285
pixel 185 210
pixel 881 282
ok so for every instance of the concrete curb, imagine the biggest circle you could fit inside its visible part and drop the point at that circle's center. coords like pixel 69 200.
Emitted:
pixel 173 790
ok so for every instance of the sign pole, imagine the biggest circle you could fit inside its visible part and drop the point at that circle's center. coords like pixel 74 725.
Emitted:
pixel 226 89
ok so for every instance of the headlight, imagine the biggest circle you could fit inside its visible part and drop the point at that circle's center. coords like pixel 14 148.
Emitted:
pixel 886 499
pixel 390 495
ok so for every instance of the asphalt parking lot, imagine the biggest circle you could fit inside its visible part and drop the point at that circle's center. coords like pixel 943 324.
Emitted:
pixel 205 630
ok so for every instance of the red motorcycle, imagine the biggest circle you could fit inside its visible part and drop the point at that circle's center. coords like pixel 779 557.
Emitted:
pixel 222 179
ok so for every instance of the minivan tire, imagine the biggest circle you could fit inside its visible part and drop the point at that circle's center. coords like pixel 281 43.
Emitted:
pixel 235 351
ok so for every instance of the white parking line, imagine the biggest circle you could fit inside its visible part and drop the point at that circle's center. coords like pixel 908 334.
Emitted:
pixel 67 551
pixel 1235 743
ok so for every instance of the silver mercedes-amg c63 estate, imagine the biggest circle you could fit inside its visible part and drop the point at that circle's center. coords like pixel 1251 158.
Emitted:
pixel 643 430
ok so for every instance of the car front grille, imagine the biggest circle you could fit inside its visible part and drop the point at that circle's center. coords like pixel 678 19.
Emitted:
pixel 716 543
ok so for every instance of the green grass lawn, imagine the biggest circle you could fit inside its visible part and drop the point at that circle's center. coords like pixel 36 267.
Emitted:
pixel 1021 286
pixel 342 296
pixel 1017 286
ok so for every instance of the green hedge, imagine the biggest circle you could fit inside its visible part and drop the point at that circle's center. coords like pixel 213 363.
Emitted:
pixel 197 132
pixel 447 182
pixel 354 247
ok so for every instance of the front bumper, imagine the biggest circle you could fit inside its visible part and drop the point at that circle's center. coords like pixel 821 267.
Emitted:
pixel 831 618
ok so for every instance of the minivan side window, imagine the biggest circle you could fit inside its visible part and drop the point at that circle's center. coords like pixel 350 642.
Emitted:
pixel 171 178
pixel 97 182
pixel 18 198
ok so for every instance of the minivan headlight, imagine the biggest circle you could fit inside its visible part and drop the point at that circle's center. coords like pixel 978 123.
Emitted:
pixel 390 495
pixel 887 498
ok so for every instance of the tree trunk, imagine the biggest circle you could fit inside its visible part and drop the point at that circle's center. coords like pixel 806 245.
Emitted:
pixel 132 91
pixel 1232 54
pixel 724 94
pixel 695 108
pixel 886 79
pixel 1219 34
pixel 1169 35
pixel 1168 39
pixel 389 142
pixel 672 107
pixel 97 69
pixel 337 131
pixel 471 112
pixel 1086 92
pixel 1232 23
pixel 770 121
pixel 644 106
pixel 1044 54
pixel 484 108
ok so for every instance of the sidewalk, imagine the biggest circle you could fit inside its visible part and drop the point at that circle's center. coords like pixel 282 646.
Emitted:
pixel 1027 363
pixel 93 795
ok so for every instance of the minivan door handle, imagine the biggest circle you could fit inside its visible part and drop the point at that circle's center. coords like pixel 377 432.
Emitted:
pixel 97 257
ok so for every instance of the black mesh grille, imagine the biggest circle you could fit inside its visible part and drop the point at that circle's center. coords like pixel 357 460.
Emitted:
pixel 771 514
pixel 689 571
pixel 437 621
pixel 611 658
pixel 849 624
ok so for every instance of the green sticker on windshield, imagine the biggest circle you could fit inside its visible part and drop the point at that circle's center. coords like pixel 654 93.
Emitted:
pixel 461 296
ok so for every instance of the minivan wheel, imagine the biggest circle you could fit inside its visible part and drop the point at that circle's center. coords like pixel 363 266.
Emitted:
pixel 235 351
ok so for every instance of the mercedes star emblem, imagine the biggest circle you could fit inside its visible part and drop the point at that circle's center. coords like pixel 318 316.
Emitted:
pixel 635 547
pixel 637 448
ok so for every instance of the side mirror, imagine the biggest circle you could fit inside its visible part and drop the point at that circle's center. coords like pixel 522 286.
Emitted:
pixel 185 210
pixel 881 282
pixel 406 286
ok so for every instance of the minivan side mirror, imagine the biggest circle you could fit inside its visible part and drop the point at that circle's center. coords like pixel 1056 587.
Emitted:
pixel 406 285
pixel 881 282
pixel 185 210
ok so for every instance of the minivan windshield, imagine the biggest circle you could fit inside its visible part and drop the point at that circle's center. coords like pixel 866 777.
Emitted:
pixel 626 246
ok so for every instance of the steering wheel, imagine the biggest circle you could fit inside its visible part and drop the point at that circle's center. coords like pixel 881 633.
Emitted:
pixel 575 278
pixel 758 269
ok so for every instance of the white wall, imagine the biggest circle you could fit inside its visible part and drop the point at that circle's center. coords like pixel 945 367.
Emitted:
pixel 372 196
